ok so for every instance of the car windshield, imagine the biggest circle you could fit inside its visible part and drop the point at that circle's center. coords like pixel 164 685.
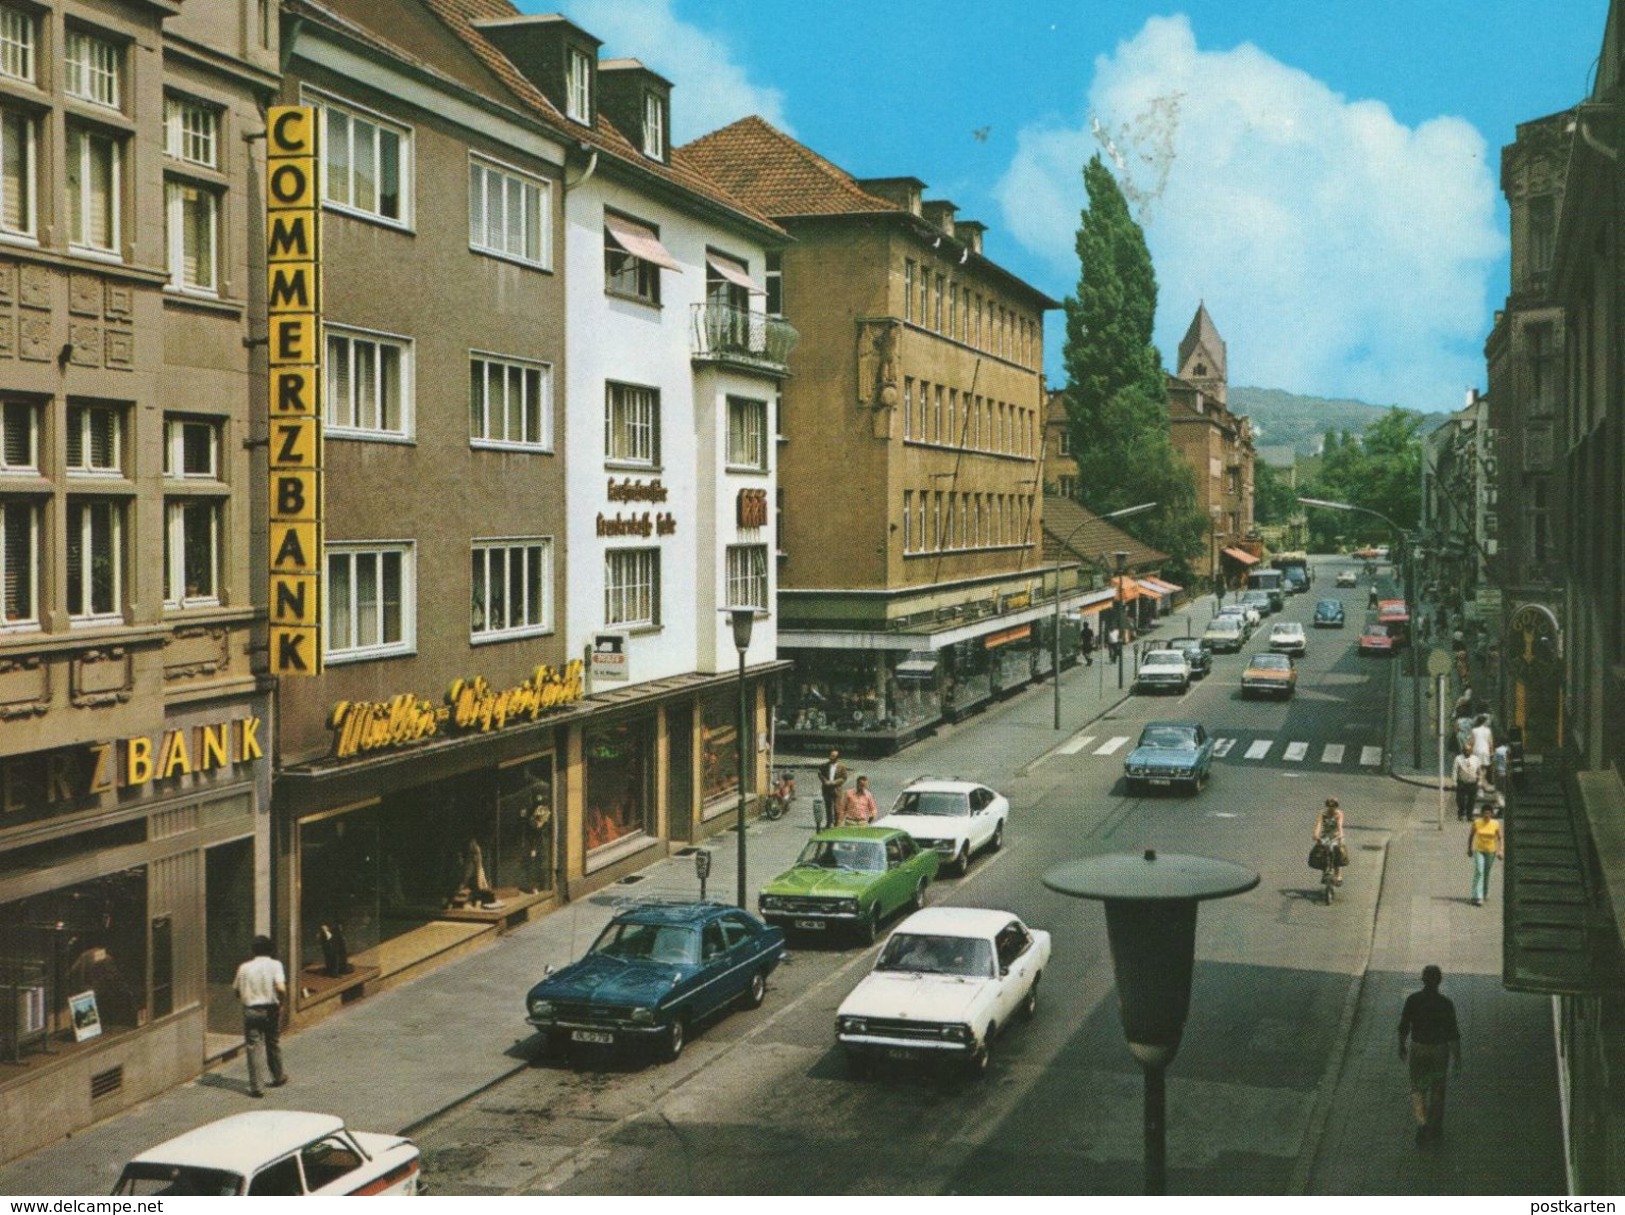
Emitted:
pixel 933 802
pixel 1286 630
pixel 1330 606
pixel 140 1180
pixel 1375 630
pixel 1271 662
pixel 865 856
pixel 632 941
pixel 920 954
pixel 1165 658
pixel 1225 624
pixel 1168 738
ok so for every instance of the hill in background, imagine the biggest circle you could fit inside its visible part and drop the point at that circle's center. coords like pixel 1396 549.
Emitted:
pixel 1284 419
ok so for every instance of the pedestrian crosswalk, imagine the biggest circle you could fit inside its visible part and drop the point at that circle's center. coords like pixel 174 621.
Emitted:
pixel 1239 750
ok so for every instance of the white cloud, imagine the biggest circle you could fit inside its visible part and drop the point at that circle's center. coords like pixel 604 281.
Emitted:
pixel 710 89
pixel 1340 252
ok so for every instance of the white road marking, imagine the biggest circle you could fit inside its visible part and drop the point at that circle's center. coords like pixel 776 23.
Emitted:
pixel 1223 746
pixel 1260 748
pixel 1370 757
pixel 1296 751
pixel 1075 744
pixel 1114 744
pixel 1333 754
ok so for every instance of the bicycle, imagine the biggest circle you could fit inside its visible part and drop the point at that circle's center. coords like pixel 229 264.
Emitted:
pixel 1329 871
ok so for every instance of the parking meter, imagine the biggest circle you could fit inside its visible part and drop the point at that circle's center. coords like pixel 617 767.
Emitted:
pixel 702 868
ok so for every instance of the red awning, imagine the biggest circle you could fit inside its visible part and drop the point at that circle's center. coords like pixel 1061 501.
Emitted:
pixel 1127 588
pixel 1241 555
pixel 734 272
pixel 1019 633
pixel 639 241
pixel 1158 587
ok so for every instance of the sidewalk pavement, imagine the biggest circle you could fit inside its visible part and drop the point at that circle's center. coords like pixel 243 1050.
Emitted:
pixel 391 1062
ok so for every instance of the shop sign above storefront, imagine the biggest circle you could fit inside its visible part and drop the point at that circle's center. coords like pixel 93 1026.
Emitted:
pixel 645 525
pixel 628 490
pixel 472 706
pixel 609 656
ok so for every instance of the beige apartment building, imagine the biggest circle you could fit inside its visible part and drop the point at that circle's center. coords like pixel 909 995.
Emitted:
pixel 911 457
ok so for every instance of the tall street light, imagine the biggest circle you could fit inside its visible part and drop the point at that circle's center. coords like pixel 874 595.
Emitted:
pixel 1410 603
pixel 743 620
pixel 1117 596
pixel 1055 637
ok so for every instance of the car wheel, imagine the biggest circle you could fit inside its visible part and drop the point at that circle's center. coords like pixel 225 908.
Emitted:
pixel 676 1038
pixel 757 991
pixel 918 900
pixel 997 841
pixel 1029 1006
pixel 977 1063
pixel 962 861
pixel 870 928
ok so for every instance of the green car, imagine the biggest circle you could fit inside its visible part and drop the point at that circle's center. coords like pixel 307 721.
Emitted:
pixel 849 877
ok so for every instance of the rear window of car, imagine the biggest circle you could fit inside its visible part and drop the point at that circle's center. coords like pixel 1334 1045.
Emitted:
pixel 141 1180
pixel 933 802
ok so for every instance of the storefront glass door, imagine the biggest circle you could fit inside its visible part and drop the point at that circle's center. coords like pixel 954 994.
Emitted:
pixel 228 877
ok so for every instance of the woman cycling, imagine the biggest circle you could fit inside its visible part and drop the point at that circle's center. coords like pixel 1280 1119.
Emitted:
pixel 1329 833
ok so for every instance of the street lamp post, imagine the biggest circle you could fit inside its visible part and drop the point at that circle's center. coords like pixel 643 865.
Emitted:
pixel 1055 640
pixel 1410 604
pixel 1151 927
pixel 1122 633
pixel 743 620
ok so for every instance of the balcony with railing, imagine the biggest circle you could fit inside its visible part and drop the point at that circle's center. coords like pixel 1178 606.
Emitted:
pixel 724 333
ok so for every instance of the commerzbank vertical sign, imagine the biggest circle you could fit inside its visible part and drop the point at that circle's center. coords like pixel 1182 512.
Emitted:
pixel 293 306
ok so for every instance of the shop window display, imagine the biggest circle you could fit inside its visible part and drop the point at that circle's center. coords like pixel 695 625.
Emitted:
pixel 851 693
pixel 619 766
pixel 970 676
pixel 524 858
pixel 73 956
pixel 719 747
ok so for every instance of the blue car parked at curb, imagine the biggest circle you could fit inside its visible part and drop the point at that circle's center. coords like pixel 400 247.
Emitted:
pixel 654 974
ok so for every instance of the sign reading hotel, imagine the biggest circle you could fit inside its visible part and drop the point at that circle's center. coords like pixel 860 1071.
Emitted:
pixel 293 307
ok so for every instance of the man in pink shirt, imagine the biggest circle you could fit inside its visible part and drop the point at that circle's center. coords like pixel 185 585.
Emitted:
pixel 858 806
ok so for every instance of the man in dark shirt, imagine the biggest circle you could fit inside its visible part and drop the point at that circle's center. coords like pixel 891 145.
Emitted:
pixel 1428 1025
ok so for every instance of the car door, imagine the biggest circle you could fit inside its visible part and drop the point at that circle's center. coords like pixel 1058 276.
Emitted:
pixel 716 986
pixel 1016 960
pixel 743 947
pixel 279 1179
pixel 331 1165
pixel 981 817
pixel 896 883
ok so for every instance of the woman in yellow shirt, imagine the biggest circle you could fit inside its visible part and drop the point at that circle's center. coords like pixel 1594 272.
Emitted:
pixel 1485 845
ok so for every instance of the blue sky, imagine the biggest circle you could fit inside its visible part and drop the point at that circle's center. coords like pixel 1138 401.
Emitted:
pixel 1323 173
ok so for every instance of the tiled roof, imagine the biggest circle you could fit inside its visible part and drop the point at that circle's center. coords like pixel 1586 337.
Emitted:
pixel 1203 333
pixel 763 166
pixel 1091 536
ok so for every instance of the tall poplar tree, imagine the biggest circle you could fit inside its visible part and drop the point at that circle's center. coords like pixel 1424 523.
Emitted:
pixel 1116 394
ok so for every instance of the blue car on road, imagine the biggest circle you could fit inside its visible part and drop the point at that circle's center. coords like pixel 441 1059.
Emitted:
pixel 1169 753
pixel 654 974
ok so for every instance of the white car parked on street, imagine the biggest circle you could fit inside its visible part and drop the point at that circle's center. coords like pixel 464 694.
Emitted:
pixel 955 818
pixel 948 982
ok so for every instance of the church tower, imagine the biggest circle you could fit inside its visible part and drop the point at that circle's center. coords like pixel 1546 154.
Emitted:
pixel 1201 357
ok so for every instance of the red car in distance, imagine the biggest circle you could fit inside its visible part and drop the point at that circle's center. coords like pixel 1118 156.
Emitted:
pixel 1376 640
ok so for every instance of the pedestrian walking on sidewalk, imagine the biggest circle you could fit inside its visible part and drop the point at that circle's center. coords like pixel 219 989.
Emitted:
pixel 1483 739
pixel 1486 844
pixel 832 784
pixel 1467 771
pixel 858 807
pixel 1114 643
pixel 1430 1041
pixel 262 986
pixel 1086 645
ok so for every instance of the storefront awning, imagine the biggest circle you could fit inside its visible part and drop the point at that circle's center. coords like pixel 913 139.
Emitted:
pixel 1158 587
pixel 1128 589
pixel 1020 633
pixel 734 273
pixel 639 241
pixel 1241 555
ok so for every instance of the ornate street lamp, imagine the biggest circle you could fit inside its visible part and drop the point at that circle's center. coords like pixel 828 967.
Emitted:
pixel 743 620
pixel 1151 927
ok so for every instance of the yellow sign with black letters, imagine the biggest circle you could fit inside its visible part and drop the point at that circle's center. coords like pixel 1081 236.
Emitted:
pixel 293 296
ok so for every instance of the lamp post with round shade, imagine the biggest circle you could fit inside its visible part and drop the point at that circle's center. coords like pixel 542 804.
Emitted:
pixel 1151 927
pixel 743 620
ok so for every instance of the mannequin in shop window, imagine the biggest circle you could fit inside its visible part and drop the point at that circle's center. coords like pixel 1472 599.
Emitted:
pixel 475 880
pixel 534 824
pixel 335 950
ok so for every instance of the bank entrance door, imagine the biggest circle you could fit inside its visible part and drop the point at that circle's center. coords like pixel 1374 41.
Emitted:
pixel 228 877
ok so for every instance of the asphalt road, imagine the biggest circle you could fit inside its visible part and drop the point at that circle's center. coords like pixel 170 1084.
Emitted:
pixel 761 1102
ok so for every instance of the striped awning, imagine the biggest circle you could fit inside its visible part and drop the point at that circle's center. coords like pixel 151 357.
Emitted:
pixel 1241 555
pixel 638 240
pixel 1128 589
pixel 1158 587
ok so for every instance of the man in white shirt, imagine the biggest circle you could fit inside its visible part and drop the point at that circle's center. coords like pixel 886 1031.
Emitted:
pixel 262 985
pixel 1468 769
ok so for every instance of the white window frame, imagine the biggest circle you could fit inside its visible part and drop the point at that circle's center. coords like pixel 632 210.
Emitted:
pixel 376 549
pixel 535 197
pixel 192 131
pixel 175 428
pixel 10 411
pixel 13 120
pixel 617 398
pixel 621 592
pixel 756 460
pixel 498 555
pixel 92 68
pixel 81 143
pixel 175 596
pixel 88 615
pixel 654 125
pixel 356 116
pixel 29 619
pixel 578 86
pixel 747 576
pixel 79 418
pixel 348 427
pixel 481 407
pixel 178 231
pixel 19 42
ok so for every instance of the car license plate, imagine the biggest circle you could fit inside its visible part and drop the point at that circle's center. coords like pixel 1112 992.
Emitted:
pixel 898 1052
pixel 1161 780
pixel 592 1035
pixel 815 925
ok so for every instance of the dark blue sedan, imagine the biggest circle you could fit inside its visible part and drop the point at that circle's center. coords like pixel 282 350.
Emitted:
pixel 1329 614
pixel 654 973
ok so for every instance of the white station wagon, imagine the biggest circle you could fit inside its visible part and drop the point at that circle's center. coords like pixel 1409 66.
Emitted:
pixel 283 1153
pixel 954 818
pixel 948 982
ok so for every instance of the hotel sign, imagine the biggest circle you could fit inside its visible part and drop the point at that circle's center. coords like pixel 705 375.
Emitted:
pixel 293 210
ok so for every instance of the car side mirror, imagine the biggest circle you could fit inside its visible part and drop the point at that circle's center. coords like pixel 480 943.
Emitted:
pixel 1004 972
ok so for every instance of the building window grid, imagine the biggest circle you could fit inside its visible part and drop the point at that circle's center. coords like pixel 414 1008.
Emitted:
pixel 95 440
pixel 95 559
pixel 747 576
pixel 908 520
pixel 94 164
pixel 908 289
pixel 19 563
pixel 936 412
pixel 632 424
pixel 908 407
pixel 18 173
pixel 192 132
pixel 19 437
pixel 510 403
pixel 193 229
pixel 936 303
pixel 747 433
pixel 654 126
pixel 578 87
pixel 632 586
pixel 192 552
pixel 627 274
pixel 368 384
pixel 91 69
pixel 370 601
pixel 510 585
pixel 191 449
pixel 509 214
pixel 925 296
pixel 365 163
pixel 18 34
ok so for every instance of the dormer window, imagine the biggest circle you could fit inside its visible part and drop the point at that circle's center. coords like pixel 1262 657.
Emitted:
pixel 578 87
pixel 654 126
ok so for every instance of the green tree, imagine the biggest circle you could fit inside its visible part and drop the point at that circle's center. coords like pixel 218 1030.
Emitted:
pixel 1274 500
pixel 1380 470
pixel 1116 394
